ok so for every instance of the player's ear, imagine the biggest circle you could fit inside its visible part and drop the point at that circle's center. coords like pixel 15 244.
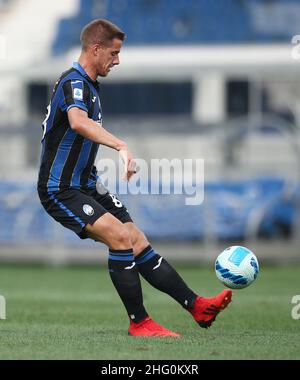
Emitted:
pixel 96 48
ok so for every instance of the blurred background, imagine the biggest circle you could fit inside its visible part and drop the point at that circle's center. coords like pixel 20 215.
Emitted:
pixel 198 79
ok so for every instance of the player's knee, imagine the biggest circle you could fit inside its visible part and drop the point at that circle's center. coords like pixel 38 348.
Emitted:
pixel 139 242
pixel 122 239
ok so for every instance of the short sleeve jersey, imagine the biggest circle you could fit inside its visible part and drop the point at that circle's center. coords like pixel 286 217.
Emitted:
pixel 67 158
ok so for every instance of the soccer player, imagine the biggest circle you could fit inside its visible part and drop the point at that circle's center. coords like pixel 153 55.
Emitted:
pixel 72 133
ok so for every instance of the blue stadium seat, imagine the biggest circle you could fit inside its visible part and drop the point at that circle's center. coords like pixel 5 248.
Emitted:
pixel 224 215
pixel 173 22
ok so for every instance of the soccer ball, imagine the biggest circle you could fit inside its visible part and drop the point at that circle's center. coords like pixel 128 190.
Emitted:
pixel 236 267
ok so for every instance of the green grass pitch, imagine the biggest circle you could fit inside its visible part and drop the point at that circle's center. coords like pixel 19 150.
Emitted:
pixel 74 313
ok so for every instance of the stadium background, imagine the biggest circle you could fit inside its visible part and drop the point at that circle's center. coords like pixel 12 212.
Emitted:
pixel 198 79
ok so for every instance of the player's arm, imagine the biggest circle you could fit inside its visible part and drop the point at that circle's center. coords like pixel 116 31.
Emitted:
pixel 75 101
pixel 88 128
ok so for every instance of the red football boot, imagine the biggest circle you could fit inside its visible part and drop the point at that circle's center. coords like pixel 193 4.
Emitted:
pixel 147 327
pixel 205 310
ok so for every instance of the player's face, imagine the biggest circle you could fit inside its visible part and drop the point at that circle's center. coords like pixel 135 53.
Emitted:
pixel 108 57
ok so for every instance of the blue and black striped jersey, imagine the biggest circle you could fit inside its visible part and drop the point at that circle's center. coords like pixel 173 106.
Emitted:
pixel 67 158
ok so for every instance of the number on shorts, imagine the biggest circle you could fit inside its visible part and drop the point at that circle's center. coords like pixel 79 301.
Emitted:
pixel 116 201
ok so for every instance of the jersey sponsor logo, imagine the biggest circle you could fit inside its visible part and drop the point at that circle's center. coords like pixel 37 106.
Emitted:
pixel 94 99
pixel 78 94
pixel 88 210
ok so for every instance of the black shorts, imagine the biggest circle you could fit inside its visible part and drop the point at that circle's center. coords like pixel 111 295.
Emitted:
pixel 75 208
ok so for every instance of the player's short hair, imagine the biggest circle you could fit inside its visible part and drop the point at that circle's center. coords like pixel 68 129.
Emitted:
pixel 100 31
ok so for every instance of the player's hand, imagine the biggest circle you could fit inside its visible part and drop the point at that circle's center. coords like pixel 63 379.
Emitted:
pixel 129 163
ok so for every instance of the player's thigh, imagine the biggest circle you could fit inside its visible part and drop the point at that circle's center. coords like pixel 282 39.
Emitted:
pixel 110 231
pixel 116 208
pixel 73 208
pixel 112 205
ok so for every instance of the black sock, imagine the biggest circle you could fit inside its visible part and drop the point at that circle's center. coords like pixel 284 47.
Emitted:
pixel 125 277
pixel 160 274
